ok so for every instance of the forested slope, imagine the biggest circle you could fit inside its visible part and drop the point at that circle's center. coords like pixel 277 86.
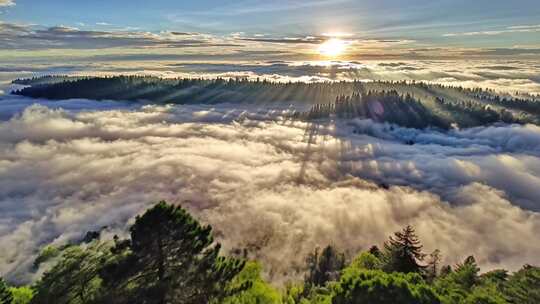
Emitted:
pixel 410 104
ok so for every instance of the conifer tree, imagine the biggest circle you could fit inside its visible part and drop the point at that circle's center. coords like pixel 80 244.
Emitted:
pixel 403 252
pixel 466 273
pixel 171 259
pixel 524 286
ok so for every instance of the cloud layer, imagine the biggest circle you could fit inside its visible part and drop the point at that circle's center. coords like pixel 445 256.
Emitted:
pixel 274 186
pixel 7 3
pixel 500 75
pixel 27 37
pixel 110 39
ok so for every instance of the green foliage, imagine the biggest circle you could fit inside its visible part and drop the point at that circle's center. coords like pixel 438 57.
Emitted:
pixel 495 277
pixel 46 254
pixel 6 297
pixel 299 294
pixel 378 287
pixel 485 295
pixel 523 287
pixel 259 291
pixel 75 278
pixel 464 285
pixel 22 295
pixel 466 273
pixel 403 252
pixel 170 258
pixel 366 260
pixel 293 293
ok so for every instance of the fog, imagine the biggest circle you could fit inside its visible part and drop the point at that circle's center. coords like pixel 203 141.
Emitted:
pixel 500 75
pixel 275 186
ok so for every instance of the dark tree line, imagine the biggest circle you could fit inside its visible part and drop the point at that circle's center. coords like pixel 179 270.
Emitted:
pixel 186 90
pixel 474 113
pixel 384 106
pixel 410 104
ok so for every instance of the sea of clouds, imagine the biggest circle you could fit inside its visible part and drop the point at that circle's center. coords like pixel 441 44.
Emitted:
pixel 276 186
pixel 499 75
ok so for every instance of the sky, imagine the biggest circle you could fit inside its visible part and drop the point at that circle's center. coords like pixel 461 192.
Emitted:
pixel 247 30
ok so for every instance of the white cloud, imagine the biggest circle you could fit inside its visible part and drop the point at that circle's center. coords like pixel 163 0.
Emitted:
pixel 30 37
pixel 275 186
pixel 508 30
pixel 7 3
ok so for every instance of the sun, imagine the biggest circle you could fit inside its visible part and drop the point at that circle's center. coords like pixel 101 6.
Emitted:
pixel 332 47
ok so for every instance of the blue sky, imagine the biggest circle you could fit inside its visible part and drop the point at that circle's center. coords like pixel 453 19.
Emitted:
pixel 416 24
pixel 421 19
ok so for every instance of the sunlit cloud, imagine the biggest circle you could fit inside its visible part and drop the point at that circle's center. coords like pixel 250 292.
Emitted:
pixel 20 36
pixel 87 168
pixel 7 3
pixel 508 30
pixel 286 40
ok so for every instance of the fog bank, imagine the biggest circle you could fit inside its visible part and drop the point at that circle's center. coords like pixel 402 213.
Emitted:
pixel 275 186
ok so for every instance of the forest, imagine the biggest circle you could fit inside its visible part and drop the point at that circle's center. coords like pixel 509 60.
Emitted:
pixel 169 257
pixel 409 104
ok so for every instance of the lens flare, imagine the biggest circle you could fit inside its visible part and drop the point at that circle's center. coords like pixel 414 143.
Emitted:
pixel 332 47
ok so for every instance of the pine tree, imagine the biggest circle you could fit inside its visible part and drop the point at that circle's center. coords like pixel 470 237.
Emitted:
pixel 524 286
pixel 74 279
pixel 171 259
pixel 466 273
pixel 403 252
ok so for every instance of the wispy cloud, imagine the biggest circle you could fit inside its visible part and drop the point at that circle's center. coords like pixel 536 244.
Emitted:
pixel 508 30
pixel 245 8
pixel 7 3
pixel 287 40
pixel 27 37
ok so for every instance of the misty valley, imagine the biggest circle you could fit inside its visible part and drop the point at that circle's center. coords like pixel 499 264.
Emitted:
pixel 270 152
pixel 287 174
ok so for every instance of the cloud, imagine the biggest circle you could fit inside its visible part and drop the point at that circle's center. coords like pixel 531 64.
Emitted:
pixel 507 76
pixel 508 30
pixel 26 37
pixel 287 40
pixel 503 52
pixel 7 3
pixel 500 75
pixel 276 186
pixel 261 8
pixel 133 41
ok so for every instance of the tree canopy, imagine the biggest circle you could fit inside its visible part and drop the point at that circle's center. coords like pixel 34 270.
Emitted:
pixel 408 104
pixel 171 258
